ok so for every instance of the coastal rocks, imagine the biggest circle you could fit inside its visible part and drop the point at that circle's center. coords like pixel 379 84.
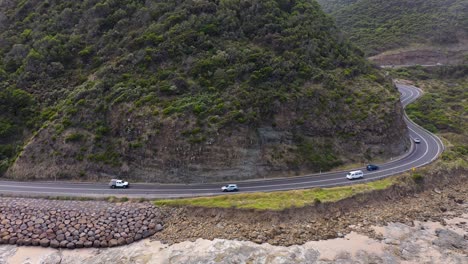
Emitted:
pixel 450 239
pixel 324 221
pixel 399 243
pixel 76 224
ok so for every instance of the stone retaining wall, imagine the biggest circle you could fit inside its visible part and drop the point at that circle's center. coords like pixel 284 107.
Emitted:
pixel 76 224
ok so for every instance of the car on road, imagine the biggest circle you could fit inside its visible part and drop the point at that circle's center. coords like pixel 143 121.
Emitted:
pixel 372 167
pixel 114 183
pixel 417 140
pixel 358 174
pixel 230 188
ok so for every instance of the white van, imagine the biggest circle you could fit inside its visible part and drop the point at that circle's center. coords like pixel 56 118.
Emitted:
pixel 355 175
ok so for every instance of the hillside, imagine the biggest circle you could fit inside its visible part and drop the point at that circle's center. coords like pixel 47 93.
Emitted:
pixel 186 91
pixel 381 25
pixel 442 108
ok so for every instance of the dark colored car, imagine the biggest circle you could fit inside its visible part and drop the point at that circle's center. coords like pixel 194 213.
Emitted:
pixel 371 167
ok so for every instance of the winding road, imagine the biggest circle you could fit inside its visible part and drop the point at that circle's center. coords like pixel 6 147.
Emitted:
pixel 419 155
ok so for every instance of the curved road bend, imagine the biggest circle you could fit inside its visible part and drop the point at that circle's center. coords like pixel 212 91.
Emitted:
pixel 419 155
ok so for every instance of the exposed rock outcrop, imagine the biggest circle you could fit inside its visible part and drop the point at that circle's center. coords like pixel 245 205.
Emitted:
pixel 397 243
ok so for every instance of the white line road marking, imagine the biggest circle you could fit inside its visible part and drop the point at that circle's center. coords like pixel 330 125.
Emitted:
pixel 408 95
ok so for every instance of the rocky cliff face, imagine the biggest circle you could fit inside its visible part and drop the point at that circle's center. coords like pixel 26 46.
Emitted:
pixel 189 91
pixel 299 142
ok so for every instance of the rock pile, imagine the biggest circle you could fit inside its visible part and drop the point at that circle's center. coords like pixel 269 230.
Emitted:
pixel 76 224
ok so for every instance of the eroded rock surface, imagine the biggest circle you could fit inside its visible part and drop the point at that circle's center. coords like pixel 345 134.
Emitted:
pixel 424 242
pixel 320 222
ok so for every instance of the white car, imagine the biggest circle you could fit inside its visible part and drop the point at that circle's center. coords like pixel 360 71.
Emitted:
pixel 417 140
pixel 114 183
pixel 355 175
pixel 230 188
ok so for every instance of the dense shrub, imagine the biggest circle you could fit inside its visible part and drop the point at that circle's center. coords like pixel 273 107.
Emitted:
pixel 209 64
pixel 378 25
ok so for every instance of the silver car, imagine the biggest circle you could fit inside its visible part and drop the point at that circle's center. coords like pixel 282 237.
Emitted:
pixel 230 188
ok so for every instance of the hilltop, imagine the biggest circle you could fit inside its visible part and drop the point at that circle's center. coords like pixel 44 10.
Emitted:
pixel 438 27
pixel 186 91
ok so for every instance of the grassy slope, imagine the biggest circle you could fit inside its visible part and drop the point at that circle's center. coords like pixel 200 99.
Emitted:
pixel 442 109
pixel 279 200
pixel 379 25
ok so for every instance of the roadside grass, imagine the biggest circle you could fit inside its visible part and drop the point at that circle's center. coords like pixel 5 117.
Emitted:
pixel 280 200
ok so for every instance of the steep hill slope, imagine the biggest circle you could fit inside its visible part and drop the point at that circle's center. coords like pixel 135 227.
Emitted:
pixel 187 91
pixel 380 25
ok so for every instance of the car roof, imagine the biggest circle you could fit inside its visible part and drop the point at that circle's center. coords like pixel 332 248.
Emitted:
pixel 356 171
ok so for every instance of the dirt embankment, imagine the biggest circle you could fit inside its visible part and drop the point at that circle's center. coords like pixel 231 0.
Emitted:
pixel 423 201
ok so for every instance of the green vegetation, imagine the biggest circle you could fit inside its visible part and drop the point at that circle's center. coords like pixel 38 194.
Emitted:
pixel 74 137
pixel 447 85
pixel 121 72
pixel 417 177
pixel 18 113
pixel 317 155
pixel 443 109
pixel 379 25
pixel 279 200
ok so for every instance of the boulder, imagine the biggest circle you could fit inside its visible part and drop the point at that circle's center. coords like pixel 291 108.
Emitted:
pixel 88 244
pixel 121 241
pixel 27 242
pixel 54 243
pixel 96 244
pixel 13 240
pixel 79 244
pixel 113 243
pixel 71 245
pixel 63 244
pixel 44 242
pixel 60 237
pixel 159 227
pixel 35 242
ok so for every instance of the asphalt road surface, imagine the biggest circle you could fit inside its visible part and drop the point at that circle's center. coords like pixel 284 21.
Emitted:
pixel 418 155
